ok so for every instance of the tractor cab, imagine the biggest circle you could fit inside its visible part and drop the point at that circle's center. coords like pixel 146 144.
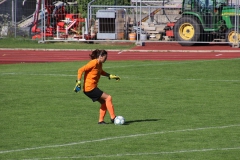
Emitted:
pixel 208 12
pixel 206 21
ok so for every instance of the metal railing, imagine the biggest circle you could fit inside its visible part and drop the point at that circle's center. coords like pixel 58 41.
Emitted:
pixel 136 23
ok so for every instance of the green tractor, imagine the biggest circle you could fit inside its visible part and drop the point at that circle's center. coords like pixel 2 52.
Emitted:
pixel 205 21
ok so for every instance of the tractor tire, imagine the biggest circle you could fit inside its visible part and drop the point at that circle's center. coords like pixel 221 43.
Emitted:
pixel 230 36
pixel 187 31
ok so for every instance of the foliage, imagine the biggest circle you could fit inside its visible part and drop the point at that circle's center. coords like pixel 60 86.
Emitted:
pixel 5 20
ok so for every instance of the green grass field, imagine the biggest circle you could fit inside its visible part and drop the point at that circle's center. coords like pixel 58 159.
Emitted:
pixel 173 109
pixel 33 44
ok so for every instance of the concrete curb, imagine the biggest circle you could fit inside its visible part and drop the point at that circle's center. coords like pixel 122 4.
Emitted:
pixel 129 50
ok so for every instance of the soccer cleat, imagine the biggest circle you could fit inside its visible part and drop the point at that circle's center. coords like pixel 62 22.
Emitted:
pixel 102 122
pixel 112 120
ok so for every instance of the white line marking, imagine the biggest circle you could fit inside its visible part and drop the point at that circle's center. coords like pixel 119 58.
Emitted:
pixel 142 65
pixel 140 154
pixel 218 55
pixel 34 74
pixel 125 77
pixel 120 137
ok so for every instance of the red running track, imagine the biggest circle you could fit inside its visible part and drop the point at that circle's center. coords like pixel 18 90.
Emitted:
pixel 154 51
pixel 29 56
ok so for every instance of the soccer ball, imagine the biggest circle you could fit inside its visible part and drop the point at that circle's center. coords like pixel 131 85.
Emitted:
pixel 119 120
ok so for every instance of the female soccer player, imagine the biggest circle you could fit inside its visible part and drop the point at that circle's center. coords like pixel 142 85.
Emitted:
pixel 92 73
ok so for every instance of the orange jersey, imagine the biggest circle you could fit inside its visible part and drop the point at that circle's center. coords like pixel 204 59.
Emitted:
pixel 93 71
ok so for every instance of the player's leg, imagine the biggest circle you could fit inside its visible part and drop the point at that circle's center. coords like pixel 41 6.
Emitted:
pixel 102 111
pixel 109 105
pixel 95 95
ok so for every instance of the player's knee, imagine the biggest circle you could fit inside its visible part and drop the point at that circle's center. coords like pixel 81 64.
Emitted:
pixel 109 98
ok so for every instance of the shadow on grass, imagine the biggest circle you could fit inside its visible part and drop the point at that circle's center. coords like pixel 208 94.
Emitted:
pixel 141 120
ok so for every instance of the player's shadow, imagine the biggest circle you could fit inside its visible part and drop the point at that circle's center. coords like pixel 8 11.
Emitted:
pixel 141 120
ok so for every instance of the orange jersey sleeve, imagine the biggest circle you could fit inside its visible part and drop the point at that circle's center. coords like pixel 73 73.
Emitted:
pixel 92 73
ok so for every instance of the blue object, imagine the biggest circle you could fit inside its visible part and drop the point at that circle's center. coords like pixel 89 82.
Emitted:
pixel 77 89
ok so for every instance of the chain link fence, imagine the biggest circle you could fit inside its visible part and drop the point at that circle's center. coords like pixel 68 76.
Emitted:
pixel 187 22
pixel 13 13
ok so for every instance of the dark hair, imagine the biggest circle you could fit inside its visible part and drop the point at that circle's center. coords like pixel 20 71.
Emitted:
pixel 96 53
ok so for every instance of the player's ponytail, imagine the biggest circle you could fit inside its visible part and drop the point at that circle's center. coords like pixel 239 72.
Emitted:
pixel 96 53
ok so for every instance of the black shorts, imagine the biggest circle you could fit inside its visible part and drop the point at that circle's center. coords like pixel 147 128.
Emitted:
pixel 94 94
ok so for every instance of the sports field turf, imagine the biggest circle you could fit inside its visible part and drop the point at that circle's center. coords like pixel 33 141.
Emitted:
pixel 173 109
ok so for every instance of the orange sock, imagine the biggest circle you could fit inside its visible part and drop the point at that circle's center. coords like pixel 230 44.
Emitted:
pixel 102 112
pixel 110 107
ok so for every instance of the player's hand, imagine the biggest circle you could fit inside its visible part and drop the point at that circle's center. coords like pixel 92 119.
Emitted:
pixel 77 88
pixel 111 76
